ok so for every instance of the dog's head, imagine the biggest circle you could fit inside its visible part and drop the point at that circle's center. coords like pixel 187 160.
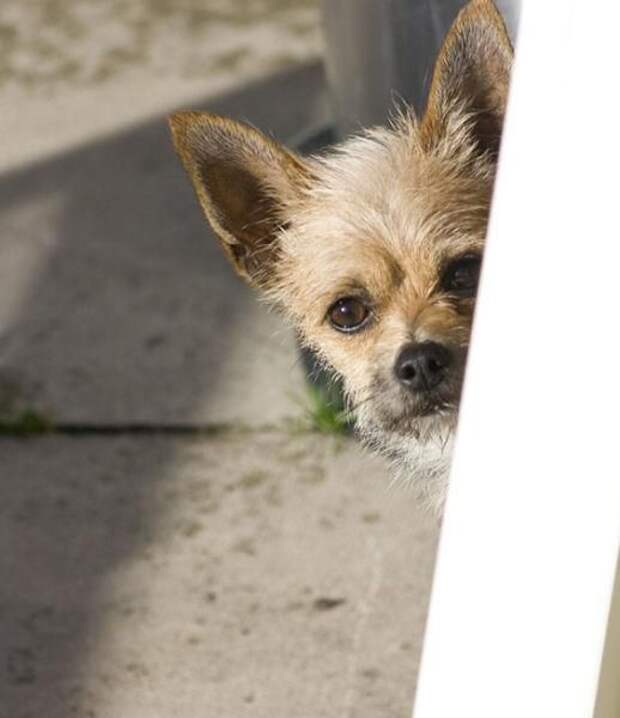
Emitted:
pixel 374 249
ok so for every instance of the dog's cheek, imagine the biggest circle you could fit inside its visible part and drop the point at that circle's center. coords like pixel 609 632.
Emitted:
pixel 346 355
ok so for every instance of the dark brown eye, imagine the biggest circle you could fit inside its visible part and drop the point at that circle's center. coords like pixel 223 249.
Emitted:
pixel 461 275
pixel 348 314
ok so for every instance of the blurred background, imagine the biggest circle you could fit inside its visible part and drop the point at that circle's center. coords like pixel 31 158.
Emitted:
pixel 187 528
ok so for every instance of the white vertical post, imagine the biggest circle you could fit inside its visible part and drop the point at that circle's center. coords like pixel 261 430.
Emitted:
pixel 523 585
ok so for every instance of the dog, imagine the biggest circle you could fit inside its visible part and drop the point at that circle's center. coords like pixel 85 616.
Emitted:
pixel 373 250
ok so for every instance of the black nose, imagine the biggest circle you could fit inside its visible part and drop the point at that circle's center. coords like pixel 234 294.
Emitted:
pixel 422 367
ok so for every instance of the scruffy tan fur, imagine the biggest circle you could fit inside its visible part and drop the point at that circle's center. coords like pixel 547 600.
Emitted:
pixel 379 217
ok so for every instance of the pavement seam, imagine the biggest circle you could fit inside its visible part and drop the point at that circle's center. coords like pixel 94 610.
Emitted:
pixel 10 430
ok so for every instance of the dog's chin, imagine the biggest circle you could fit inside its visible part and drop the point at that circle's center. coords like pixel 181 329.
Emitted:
pixel 418 442
pixel 424 417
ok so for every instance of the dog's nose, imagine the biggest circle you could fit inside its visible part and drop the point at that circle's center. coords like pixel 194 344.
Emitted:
pixel 422 367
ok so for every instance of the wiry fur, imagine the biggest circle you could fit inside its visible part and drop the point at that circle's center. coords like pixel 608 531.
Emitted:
pixel 377 218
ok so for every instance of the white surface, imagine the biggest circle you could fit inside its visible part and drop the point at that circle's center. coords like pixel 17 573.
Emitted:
pixel 531 534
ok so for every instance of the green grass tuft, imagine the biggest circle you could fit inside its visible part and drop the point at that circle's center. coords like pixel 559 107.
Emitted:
pixel 28 423
pixel 324 414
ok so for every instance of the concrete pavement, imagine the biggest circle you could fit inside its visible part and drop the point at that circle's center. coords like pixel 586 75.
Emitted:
pixel 260 575
pixel 116 304
pixel 71 70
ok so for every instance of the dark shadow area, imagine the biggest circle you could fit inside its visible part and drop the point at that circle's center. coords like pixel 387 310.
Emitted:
pixel 135 300
pixel 132 318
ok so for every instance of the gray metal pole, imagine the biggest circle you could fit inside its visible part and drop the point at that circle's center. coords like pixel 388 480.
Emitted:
pixel 381 51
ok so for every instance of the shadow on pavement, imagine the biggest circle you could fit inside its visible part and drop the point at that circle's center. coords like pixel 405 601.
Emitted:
pixel 132 316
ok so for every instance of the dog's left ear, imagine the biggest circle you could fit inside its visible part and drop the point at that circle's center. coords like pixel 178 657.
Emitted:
pixel 245 182
pixel 471 78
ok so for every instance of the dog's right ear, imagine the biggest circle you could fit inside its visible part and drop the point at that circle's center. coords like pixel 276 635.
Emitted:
pixel 244 182
pixel 471 78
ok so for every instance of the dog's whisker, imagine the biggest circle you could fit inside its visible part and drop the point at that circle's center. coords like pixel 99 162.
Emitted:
pixel 351 410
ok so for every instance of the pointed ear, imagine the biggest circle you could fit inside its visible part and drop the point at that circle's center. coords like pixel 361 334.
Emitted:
pixel 471 78
pixel 244 182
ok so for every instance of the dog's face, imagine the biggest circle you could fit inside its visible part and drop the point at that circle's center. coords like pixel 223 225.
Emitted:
pixel 374 250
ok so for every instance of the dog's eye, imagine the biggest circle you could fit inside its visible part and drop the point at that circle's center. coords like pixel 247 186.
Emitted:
pixel 461 275
pixel 348 314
